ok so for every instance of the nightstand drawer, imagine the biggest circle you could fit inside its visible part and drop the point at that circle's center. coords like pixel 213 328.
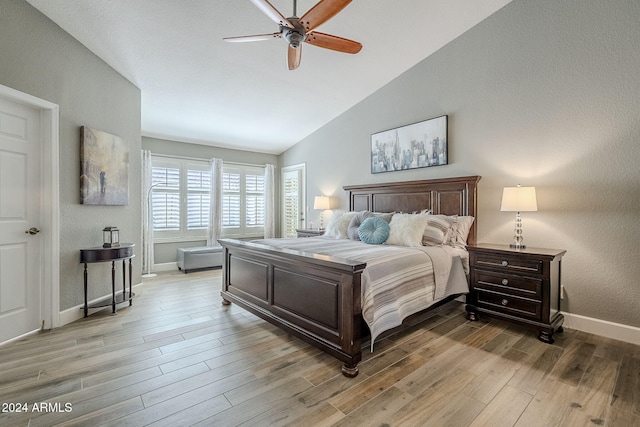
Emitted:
pixel 509 263
pixel 510 284
pixel 509 304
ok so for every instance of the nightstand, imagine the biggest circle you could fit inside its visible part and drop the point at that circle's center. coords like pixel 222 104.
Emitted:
pixel 311 232
pixel 520 285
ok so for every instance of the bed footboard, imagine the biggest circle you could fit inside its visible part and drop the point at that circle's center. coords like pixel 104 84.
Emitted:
pixel 315 297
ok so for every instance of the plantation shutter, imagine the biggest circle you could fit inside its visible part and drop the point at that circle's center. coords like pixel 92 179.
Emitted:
pixel 291 203
pixel 165 198
pixel 231 186
pixel 254 195
pixel 198 198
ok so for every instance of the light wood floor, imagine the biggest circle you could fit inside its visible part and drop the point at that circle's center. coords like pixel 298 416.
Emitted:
pixel 180 358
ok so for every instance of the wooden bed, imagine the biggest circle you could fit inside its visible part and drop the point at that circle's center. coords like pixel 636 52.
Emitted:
pixel 317 297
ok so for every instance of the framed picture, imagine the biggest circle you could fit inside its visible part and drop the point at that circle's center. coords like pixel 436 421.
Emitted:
pixel 418 145
pixel 104 168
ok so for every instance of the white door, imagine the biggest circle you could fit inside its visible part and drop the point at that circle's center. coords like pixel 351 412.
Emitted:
pixel 293 199
pixel 20 204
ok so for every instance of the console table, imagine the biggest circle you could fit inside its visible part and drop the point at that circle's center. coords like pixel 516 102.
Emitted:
pixel 123 252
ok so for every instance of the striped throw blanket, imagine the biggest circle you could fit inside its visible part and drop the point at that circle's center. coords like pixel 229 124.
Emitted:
pixel 397 282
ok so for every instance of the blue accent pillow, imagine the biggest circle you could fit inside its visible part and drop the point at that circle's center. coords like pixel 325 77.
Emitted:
pixel 374 231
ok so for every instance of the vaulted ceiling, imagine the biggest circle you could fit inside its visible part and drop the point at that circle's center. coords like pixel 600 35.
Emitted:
pixel 197 88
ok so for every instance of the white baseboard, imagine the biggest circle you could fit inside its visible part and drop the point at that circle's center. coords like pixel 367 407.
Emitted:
pixel 616 331
pixel 75 313
pixel 167 266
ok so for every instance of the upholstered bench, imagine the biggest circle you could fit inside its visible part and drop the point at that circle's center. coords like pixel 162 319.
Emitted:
pixel 199 257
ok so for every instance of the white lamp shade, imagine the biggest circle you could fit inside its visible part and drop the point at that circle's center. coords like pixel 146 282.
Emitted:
pixel 519 199
pixel 321 203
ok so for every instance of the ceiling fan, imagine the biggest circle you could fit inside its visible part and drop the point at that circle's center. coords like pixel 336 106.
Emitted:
pixel 297 30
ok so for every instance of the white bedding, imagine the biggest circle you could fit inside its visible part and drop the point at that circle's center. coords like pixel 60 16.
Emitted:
pixel 398 280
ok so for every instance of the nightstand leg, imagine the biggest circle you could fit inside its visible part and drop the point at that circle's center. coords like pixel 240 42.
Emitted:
pixel 546 337
pixel 472 316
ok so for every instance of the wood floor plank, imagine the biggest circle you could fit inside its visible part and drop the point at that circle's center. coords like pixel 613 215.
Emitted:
pixel 549 405
pixel 442 405
pixel 504 409
pixel 178 357
pixel 86 401
pixel 619 418
pixel 626 395
pixel 324 416
pixel 256 406
pixel 105 415
pixel 445 358
pixel 359 394
pixel 377 411
pixel 530 377
pixel 573 363
pixel 594 393
pixel 222 380
pixel 193 414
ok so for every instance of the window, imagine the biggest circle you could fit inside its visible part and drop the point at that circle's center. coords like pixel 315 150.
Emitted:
pixel 243 201
pixel 181 195
pixel 180 198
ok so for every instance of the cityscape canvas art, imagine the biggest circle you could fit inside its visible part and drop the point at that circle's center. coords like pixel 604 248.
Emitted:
pixel 418 145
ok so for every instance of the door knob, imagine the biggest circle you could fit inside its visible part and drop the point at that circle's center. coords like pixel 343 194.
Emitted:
pixel 33 231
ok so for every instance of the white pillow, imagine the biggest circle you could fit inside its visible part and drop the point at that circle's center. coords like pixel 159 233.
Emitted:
pixel 437 231
pixel 460 231
pixel 406 230
pixel 339 224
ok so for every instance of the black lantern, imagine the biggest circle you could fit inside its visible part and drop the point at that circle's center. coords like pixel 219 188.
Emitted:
pixel 110 237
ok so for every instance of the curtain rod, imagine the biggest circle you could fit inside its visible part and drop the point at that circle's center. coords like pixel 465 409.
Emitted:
pixel 169 156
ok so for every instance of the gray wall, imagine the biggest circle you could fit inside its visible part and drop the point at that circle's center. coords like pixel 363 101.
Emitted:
pixel 42 60
pixel 542 93
pixel 167 252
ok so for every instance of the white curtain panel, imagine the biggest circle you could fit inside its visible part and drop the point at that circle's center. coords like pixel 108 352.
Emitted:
pixel 147 214
pixel 215 204
pixel 269 202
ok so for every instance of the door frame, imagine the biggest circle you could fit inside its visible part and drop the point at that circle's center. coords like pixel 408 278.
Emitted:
pixel 50 203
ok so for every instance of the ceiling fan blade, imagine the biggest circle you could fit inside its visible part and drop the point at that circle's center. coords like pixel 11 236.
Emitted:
pixel 328 41
pixel 268 9
pixel 256 38
pixel 322 12
pixel 293 57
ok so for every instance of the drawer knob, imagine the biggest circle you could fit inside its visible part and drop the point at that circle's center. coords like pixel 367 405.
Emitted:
pixel 505 302
pixel 505 282
pixel 504 263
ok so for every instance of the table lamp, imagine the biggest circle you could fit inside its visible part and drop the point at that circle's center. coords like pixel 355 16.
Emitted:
pixel 321 203
pixel 518 199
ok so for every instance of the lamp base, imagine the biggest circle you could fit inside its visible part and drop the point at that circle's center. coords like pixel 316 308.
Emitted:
pixel 517 246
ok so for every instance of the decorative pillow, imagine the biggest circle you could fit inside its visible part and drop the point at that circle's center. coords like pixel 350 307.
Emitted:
pixel 460 231
pixel 338 224
pixel 354 224
pixel 386 216
pixel 374 230
pixel 436 232
pixel 406 230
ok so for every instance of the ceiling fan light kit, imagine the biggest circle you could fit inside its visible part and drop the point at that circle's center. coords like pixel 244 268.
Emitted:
pixel 298 30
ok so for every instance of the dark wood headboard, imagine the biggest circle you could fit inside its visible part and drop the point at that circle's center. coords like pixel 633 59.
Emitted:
pixel 446 196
